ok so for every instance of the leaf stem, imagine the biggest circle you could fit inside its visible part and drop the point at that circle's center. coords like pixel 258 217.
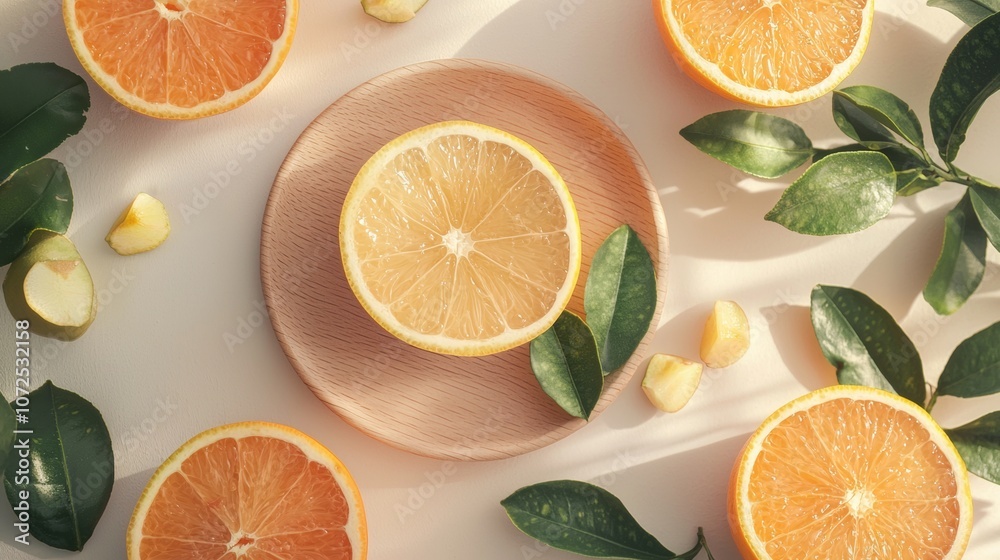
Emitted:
pixel 933 399
pixel 704 543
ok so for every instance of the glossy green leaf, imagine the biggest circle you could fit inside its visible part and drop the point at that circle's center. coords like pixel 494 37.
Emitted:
pixel 7 427
pixel 620 296
pixel 862 340
pixel 841 193
pixel 978 442
pixel 37 196
pixel 888 110
pixel 72 468
pixel 986 203
pixel 42 105
pixel 582 518
pixel 913 181
pixel 973 370
pixel 970 11
pixel 567 365
pixel 970 76
pixel 962 263
pixel 859 125
pixel 756 143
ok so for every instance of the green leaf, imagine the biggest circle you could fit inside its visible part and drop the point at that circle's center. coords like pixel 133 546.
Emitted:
pixel 72 468
pixel 859 125
pixel 567 365
pixel 973 370
pixel 43 105
pixel 620 297
pixel 581 518
pixel 912 181
pixel 7 427
pixel 978 442
pixel 969 11
pixel 756 143
pixel 986 203
pixel 970 76
pixel 862 340
pixel 37 196
pixel 841 193
pixel 962 262
pixel 888 110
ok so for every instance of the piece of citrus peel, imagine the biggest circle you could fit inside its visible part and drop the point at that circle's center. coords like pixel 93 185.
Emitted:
pixel 727 335
pixel 392 11
pixel 49 286
pixel 142 226
pixel 671 381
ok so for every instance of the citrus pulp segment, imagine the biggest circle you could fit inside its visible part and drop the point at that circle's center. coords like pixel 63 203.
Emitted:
pixel 850 473
pixel 249 491
pixel 461 239
pixel 766 52
pixel 181 59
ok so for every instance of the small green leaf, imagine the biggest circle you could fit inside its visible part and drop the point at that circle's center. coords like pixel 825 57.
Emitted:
pixel 862 340
pixel 841 193
pixel 859 125
pixel 43 105
pixel 978 442
pixel 756 143
pixel 913 181
pixel 973 370
pixel 887 109
pixel 37 196
pixel 7 427
pixel 567 365
pixel 620 297
pixel 970 76
pixel 969 11
pixel 582 518
pixel 72 468
pixel 962 262
pixel 986 202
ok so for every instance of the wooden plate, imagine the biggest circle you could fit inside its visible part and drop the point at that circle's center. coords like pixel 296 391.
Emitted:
pixel 434 405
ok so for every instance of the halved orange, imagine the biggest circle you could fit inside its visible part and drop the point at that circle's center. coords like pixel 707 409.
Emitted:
pixel 250 491
pixel 766 52
pixel 461 239
pixel 181 59
pixel 850 473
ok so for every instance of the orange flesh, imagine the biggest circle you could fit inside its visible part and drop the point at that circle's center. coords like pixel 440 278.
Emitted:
pixel 254 498
pixel 786 45
pixel 464 239
pixel 816 494
pixel 181 52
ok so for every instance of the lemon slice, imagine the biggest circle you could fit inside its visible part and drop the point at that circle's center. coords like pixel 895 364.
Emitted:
pixel 392 11
pixel 460 239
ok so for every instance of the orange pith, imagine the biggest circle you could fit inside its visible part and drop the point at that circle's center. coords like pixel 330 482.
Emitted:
pixel 181 58
pixel 850 474
pixel 766 52
pixel 250 491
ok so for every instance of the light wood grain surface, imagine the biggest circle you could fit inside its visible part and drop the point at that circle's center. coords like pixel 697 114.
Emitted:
pixel 434 405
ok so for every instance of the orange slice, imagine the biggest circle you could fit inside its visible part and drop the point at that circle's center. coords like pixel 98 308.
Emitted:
pixel 850 473
pixel 181 59
pixel 766 52
pixel 461 239
pixel 249 491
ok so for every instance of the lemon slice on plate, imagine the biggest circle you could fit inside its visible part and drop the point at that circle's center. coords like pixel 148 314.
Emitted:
pixel 461 239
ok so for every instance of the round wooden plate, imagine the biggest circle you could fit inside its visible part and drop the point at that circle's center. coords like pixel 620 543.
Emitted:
pixel 439 406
